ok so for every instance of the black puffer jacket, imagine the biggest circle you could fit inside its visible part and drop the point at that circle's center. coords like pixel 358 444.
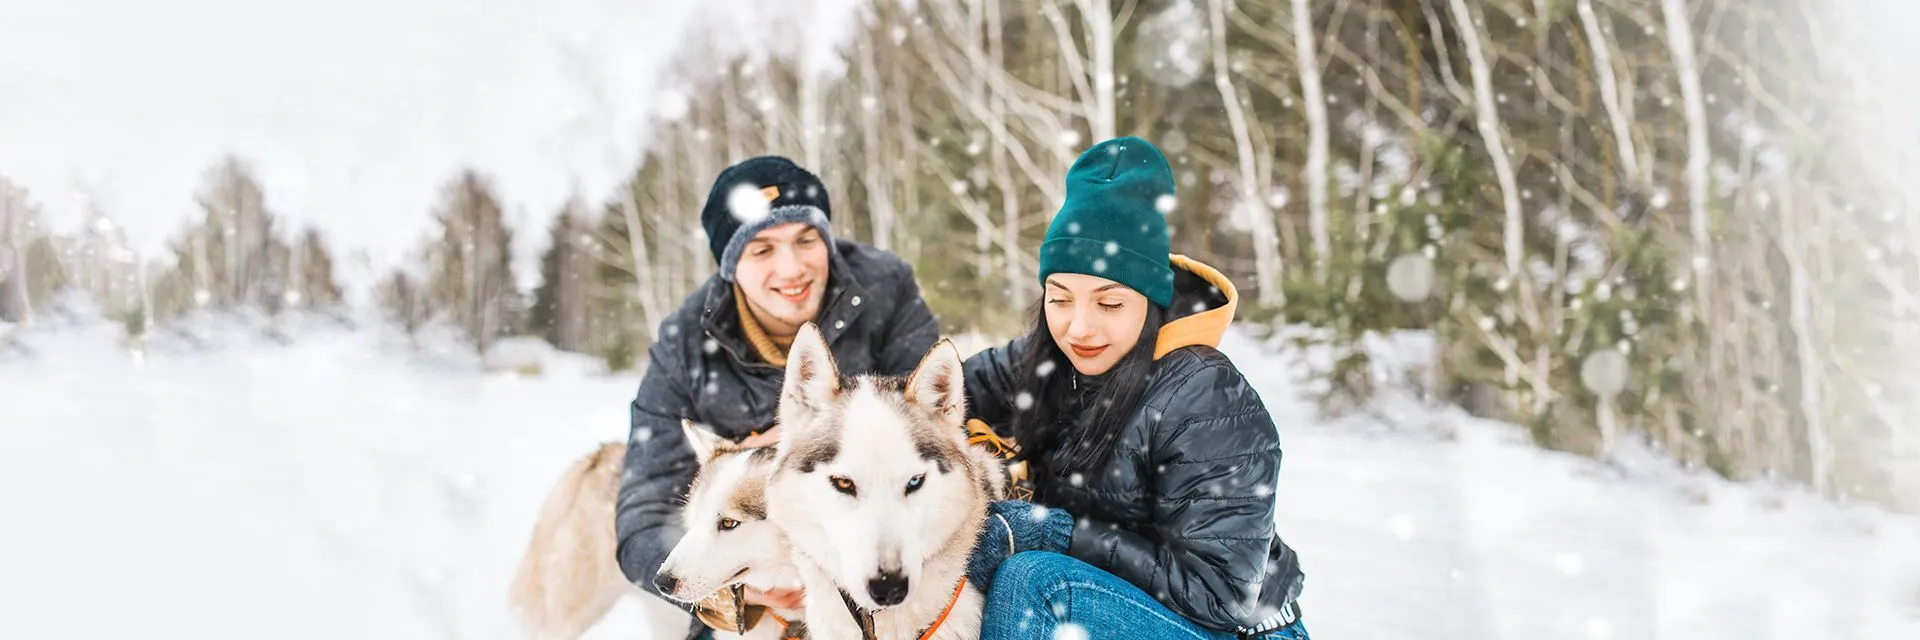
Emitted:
pixel 1185 507
pixel 702 368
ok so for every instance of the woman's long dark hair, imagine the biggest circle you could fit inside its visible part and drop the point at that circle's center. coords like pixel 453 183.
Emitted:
pixel 1059 445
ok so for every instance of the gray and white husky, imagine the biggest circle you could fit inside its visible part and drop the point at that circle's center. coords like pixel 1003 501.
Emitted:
pixel 879 495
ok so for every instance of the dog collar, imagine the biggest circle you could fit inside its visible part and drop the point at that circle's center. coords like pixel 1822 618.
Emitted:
pixel 866 617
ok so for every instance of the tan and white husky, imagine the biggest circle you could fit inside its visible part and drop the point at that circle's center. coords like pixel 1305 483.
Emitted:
pixel 568 580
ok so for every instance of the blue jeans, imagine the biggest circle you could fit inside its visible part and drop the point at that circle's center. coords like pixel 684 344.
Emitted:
pixel 1035 591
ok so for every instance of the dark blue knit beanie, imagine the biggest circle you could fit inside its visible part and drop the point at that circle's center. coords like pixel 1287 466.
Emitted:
pixel 756 194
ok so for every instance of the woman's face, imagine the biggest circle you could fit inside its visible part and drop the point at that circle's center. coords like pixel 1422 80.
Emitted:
pixel 1095 321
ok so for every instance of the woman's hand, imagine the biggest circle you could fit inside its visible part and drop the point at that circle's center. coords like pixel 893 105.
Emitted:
pixel 780 599
pixel 1014 526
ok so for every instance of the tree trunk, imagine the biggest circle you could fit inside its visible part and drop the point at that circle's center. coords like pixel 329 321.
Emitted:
pixel 1266 247
pixel 643 291
pixel 1610 92
pixel 1819 451
pixel 1315 100
pixel 1488 122
pixel 1017 284
pixel 878 177
pixel 1680 41
pixel 1098 15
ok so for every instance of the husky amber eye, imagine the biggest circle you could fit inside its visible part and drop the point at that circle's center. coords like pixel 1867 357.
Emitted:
pixel 843 485
pixel 727 524
pixel 914 484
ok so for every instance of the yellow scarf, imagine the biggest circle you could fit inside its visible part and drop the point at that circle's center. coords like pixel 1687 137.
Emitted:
pixel 772 349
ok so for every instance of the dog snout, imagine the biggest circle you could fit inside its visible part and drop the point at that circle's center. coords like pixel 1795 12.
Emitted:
pixel 888 589
pixel 665 582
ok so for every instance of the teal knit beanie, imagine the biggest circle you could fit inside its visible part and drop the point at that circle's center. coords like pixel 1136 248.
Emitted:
pixel 1112 224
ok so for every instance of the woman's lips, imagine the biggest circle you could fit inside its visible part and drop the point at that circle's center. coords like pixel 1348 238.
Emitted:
pixel 1087 352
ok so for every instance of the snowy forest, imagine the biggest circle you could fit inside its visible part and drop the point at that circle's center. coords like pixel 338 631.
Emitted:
pixel 1659 220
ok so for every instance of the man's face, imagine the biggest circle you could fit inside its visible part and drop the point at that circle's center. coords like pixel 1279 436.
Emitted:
pixel 783 273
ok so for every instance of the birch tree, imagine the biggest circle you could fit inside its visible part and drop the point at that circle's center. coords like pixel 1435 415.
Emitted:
pixel 1314 98
pixel 1252 182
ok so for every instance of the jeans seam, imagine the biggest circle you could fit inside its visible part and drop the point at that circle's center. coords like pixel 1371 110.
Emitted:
pixel 1179 623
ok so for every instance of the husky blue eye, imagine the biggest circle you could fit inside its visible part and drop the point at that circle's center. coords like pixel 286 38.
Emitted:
pixel 914 484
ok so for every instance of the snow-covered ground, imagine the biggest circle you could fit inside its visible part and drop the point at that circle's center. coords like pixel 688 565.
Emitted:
pixel 341 486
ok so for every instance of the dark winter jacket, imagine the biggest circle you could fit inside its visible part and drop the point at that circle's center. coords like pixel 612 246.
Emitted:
pixel 703 369
pixel 1185 507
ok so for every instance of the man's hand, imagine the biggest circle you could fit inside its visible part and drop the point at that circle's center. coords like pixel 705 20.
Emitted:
pixel 766 438
pixel 782 599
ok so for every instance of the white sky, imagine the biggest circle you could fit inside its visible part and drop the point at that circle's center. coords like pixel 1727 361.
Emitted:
pixel 353 112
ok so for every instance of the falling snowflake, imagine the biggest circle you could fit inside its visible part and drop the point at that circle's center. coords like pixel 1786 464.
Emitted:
pixel 1113 248
pixel 1174 142
pixel 1038 514
pixel 1069 138
pixel 1279 197
pixel 1402 526
pixel 748 204
pixel 1599 629
pixel 1023 401
pixel 710 346
pixel 1044 369
pixel 1099 265
pixel 1164 204
pixel 1070 631
pixel 1604 372
pixel 1077 480
pixel 1411 277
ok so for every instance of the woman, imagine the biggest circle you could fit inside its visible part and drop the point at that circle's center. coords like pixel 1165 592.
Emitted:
pixel 1153 460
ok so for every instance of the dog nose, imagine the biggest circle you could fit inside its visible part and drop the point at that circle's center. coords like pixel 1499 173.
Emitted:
pixel 887 590
pixel 665 582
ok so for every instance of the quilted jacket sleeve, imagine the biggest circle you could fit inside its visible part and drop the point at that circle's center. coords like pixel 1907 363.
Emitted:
pixel 911 328
pixel 990 379
pixel 1215 456
pixel 659 466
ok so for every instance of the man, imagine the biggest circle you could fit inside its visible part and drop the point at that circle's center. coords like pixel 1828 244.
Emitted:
pixel 719 359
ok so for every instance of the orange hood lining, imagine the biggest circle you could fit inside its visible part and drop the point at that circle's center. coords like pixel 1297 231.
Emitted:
pixel 1205 328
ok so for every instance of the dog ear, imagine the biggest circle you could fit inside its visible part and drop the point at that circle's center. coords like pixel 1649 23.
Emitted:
pixel 812 377
pixel 939 383
pixel 705 443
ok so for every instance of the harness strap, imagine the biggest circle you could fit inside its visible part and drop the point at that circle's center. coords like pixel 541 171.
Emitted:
pixel 861 615
pixel 979 433
pixel 866 617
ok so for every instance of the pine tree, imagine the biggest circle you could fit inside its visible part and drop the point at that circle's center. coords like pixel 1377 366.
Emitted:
pixel 469 268
pixel 559 311
pixel 317 288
